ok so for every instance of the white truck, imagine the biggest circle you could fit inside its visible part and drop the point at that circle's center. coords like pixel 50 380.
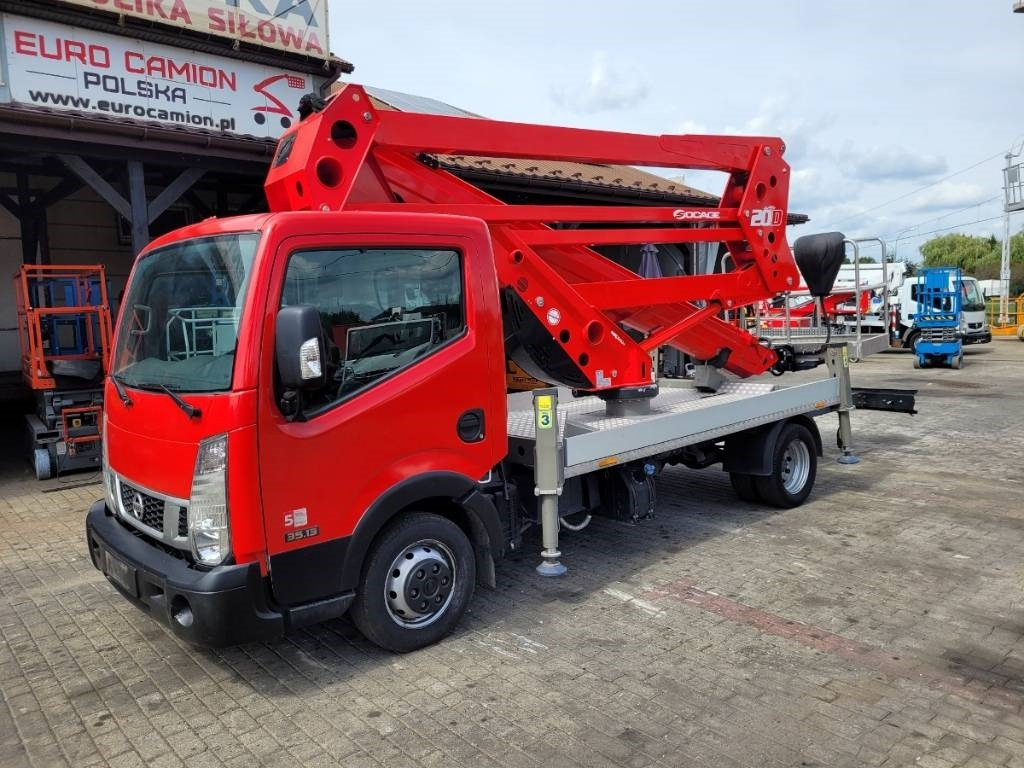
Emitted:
pixel 902 291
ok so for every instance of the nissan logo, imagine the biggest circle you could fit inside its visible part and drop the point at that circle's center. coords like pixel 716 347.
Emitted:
pixel 137 505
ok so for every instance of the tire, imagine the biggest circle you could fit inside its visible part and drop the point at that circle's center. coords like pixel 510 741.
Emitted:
pixel 416 584
pixel 958 361
pixel 1020 333
pixel 794 467
pixel 746 489
pixel 917 361
pixel 910 342
pixel 41 464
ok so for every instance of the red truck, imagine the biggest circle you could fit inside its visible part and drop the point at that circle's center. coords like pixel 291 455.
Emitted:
pixel 306 412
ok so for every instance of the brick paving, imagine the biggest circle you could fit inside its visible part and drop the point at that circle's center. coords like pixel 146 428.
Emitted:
pixel 881 624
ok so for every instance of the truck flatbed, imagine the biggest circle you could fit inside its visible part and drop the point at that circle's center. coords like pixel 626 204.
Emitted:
pixel 678 417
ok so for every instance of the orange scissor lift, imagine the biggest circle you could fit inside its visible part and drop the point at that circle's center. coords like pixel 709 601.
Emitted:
pixel 64 327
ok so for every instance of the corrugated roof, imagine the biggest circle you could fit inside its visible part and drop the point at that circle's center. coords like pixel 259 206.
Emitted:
pixel 407 102
pixel 611 177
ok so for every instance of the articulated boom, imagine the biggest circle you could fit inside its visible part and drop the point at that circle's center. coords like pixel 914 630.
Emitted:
pixel 567 304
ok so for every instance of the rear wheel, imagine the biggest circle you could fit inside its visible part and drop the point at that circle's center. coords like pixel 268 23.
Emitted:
pixel 416 584
pixel 794 467
pixel 41 463
pixel 744 486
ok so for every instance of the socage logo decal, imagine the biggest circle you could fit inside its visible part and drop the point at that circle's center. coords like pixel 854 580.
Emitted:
pixel 682 214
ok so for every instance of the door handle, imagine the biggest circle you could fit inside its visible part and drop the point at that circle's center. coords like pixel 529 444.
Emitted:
pixel 470 426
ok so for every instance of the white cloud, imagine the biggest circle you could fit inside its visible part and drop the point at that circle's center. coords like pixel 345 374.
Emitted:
pixel 604 90
pixel 813 188
pixel 949 194
pixel 776 117
pixel 691 126
pixel 890 164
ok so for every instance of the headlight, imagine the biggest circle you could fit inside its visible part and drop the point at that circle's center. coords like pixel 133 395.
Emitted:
pixel 109 482
pixel 208 528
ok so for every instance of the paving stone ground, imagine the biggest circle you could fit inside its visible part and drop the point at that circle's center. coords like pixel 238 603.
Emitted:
pixel 880 624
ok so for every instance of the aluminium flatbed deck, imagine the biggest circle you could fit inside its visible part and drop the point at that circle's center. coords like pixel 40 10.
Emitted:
pixel 592 439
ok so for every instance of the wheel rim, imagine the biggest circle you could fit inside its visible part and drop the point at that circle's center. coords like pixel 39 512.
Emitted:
pixel 420 584
pixel 796 466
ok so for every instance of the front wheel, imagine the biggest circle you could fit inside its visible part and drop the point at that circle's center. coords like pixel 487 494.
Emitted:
pixel 910 341
pixel 794 467
pixel 416 584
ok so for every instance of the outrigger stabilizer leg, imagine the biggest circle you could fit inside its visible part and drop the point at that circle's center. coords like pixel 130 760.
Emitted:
pixel 547 468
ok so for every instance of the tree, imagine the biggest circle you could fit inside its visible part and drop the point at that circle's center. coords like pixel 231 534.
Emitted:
pixel 958 250
pixel 977 256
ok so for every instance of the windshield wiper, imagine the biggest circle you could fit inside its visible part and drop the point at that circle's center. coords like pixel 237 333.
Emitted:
pixel 190 410
pixel 121 393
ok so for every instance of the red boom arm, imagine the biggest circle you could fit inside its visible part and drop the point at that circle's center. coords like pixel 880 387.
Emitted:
pixel 351 156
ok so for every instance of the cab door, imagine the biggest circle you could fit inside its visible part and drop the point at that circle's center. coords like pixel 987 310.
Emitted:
pixel 413 330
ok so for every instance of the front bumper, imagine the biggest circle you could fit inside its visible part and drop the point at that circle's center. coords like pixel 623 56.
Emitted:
pixel 978 338
pixel 221 606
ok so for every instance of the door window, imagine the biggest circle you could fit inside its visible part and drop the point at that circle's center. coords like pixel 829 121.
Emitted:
pixel 381 309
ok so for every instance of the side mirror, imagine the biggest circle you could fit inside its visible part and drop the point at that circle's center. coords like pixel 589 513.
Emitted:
pixel 300 349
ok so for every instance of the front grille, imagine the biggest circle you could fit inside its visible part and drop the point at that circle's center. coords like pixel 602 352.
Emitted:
pixel 147 509
pixel 161 518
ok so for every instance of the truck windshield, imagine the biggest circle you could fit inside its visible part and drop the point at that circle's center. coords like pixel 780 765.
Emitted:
pixel 179 320
pixel 973 300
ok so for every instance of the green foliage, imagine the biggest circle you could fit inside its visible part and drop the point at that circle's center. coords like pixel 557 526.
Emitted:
pixel 977 256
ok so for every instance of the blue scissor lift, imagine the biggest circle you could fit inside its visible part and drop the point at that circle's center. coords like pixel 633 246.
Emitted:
pixel 938 318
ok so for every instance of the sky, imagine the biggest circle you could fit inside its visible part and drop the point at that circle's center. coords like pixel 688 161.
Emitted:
pixel 897 115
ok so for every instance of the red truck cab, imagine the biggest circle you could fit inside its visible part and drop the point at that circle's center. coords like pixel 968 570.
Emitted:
pixel 251 482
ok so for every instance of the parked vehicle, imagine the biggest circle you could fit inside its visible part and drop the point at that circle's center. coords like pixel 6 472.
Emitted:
pixel 937 320
pixel 307 411
pixel 64 329
pixel 972 323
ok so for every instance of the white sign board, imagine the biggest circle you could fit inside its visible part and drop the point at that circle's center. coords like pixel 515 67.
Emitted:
pixel 297 26
pixel 54 66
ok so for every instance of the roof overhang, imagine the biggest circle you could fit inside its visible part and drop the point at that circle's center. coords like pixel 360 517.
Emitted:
pixel 25 127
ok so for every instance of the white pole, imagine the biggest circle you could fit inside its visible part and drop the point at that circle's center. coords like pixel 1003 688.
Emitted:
pixel 1004 262
pixel 1004 271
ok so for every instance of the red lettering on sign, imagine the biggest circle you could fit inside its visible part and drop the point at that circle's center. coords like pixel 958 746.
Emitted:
pixel 58 49
pixel 269 32
pixel 164 10
pixel 180 71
